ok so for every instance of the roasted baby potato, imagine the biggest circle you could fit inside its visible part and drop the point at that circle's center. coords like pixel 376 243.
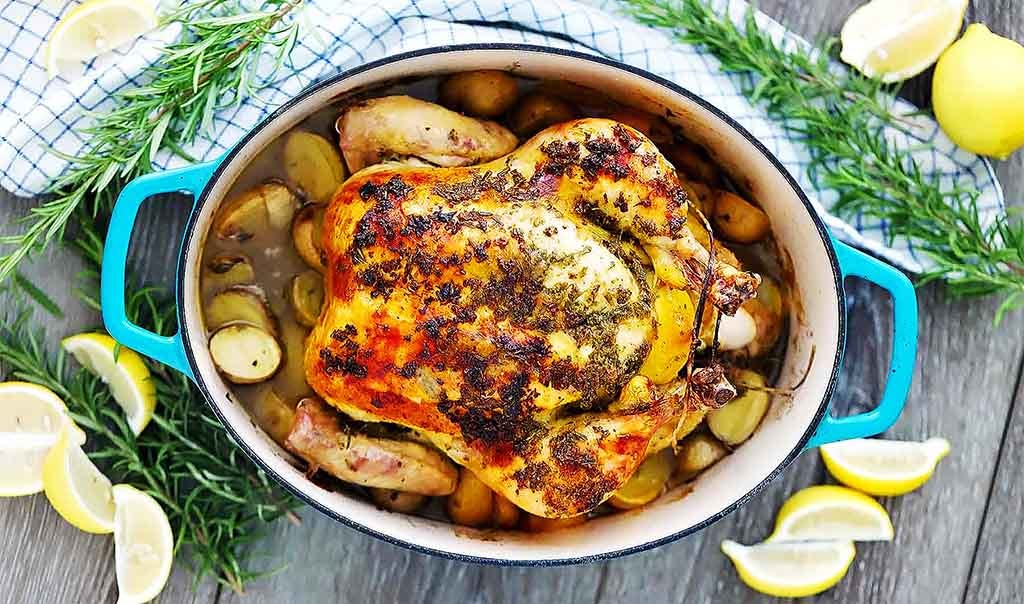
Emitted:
pixel 697 453
pixel 398 126
pixel 737 420
pixel 646 483
pixel 484 93
pixel 539 524
pixel 274 415
pixel 255 211
pixel 700 195
pixel 652 126
pixel 472 503
pixel 505 513
pixel 306 293
pixel 240 304
pixel 397 501
pixel 318 436
pixel 739 220
pixel 673 315
pixel 244 353
pixel 225 270
pixel 313 164
pixel 291 381
pixel 306 233
pixel 537 111
pixel 690 159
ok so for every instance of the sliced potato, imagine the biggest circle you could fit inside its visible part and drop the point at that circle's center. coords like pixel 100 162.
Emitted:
pixel 274 415
pixel 225 270
pixel 244 353
pixel 484 93
pixel 690 159
pixel 397 501
pixel 652 126
pixel 673 316
pixel 306 230
pixel 697 453
pixel 291 381
pixel 646 483
pixel 313 164
pixel 306 293
pixel 538 524
pixel 318 436
pixel 538 111
pixel 737 420
pixel 505 514
pixel 256 211
pixel 472 502
pixel 240 303
pixel 739 220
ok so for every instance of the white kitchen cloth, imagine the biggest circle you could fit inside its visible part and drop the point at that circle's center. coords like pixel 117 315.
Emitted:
pixel 38 115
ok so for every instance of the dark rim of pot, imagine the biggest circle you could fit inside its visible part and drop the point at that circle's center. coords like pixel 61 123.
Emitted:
pixel 529 48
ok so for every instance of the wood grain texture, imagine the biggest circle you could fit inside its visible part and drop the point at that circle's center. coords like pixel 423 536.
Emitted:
pixel 963 389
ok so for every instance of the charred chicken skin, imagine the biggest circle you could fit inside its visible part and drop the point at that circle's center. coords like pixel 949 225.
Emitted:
pixel 501 311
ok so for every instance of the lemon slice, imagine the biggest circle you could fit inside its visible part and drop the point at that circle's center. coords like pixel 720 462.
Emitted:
pixel 883 467
pixel 143 545
pixel 898 39
pixel 791 570
pixel 126 374
pixel 76 488
pixel 831 512
pixel 96 26
pixel 31 418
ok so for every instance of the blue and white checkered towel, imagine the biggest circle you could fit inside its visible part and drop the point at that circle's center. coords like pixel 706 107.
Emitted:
pixel 37 114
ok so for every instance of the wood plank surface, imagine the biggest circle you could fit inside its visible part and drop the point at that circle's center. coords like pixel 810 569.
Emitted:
pixel 958 539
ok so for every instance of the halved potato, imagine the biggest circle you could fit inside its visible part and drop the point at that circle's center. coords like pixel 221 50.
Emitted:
pixel 538 524
pixel 472 502
pixel 256 211
pixel 739 220
pixel 306 235
pixel 646 483
pixel 274 415
pixel 313 164
pixel 737 420
pixel 306 293
pixel 697 453
pixel 225 270
pixel 538 111
pixel 483 93
pixel 291 381
pixel 397 501
pixel 240 304
pixel 244 353
pixel 505 513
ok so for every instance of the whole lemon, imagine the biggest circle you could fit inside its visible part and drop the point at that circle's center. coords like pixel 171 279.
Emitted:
pixel 978 93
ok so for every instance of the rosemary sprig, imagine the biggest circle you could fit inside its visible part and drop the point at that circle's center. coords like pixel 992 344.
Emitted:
pixel 841 115
pixel 210 67
pixel 216 500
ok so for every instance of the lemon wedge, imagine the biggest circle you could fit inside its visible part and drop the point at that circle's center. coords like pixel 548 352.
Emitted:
pixel 897 39
pixel 31 418
pixel 791 570
pixel 883 467
pixel 143 545
pixel 76 488
pixel 121 369
pixel 94 27
pixel 830 512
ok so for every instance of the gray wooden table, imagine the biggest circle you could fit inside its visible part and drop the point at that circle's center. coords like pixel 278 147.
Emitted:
pixel 958 539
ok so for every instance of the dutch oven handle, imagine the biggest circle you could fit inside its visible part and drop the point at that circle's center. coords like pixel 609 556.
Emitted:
pixel 169 350
pixel 854 263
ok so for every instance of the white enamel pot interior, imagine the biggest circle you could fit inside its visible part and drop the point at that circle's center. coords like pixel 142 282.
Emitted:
pixel 782 436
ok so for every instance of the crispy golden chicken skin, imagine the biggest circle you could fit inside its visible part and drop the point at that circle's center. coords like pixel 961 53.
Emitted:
pixel 493 309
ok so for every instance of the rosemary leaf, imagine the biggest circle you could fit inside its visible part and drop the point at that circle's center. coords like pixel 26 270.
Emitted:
pixel 840 115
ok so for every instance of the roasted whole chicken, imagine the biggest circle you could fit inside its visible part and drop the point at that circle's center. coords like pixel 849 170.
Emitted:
pixel 502 311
